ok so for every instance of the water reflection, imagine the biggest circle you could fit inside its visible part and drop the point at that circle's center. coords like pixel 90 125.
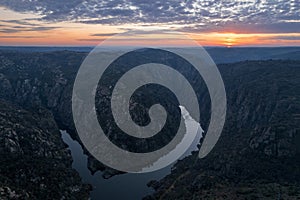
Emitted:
pixel 125 186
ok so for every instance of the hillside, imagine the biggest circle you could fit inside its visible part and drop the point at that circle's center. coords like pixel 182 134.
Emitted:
pixel 257 155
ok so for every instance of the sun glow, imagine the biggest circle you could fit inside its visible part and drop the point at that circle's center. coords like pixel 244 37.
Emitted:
pixel 231 39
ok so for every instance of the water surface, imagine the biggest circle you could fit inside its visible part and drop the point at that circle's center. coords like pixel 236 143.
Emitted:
pixel 125 186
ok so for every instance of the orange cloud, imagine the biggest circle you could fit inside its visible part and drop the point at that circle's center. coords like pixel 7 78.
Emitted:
pixel 89 35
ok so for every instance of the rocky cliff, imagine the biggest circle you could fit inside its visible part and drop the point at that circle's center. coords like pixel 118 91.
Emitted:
pixel 257 156
pixel 34 162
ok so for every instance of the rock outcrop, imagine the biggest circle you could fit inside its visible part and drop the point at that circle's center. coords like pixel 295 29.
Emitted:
pixel 34 162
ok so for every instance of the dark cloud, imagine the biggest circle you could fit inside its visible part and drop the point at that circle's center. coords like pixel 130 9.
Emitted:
pixel 132 32
pixel 8 30
pixel 133 40
pixel 288 27
pixel 20 22
pixel 268 16
pixel 286 38
pixel 15 26
pixel 17 29
pixel 103 34
pixel 14 36
pixel 43 28
pixel 89 40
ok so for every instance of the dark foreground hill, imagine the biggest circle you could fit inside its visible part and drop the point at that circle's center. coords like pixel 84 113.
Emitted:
pixel 257 155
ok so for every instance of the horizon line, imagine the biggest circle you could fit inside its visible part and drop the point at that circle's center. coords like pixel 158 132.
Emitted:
pixel 93 46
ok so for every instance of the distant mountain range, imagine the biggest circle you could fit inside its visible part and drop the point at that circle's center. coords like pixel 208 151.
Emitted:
pixel 219 54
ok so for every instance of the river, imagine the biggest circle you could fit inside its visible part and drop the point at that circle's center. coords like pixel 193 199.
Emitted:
pixel 126 186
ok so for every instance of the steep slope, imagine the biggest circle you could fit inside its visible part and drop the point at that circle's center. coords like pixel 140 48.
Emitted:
pixel 257 156
pixel 34 162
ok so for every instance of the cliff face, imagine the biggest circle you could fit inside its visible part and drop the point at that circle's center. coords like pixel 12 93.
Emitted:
pixel 34 162
pixel 41 79
pixel 257 156
pixel 44 80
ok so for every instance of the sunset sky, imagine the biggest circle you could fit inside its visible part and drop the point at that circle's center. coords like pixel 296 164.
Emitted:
pixel 210 22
